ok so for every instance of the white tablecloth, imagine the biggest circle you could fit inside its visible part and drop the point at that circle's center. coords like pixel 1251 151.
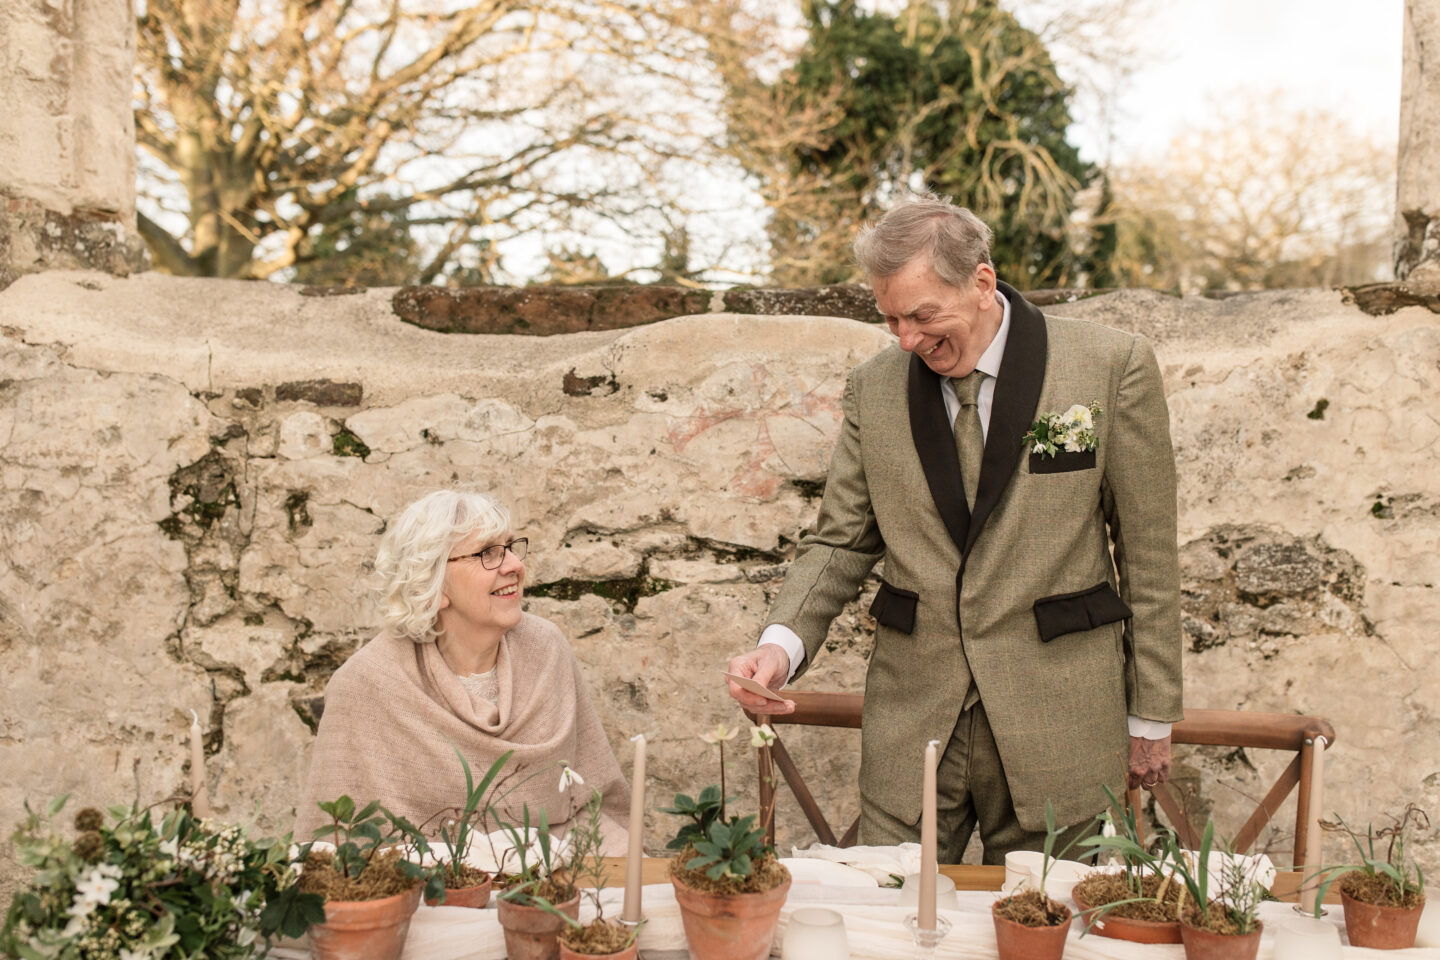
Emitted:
pixel 872 922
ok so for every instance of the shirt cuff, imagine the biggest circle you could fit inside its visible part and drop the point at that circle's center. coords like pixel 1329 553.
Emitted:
pixel 787 640
pixel 1148 729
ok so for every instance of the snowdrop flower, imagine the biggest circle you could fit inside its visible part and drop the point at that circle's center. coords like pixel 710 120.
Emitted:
pixel 720 734
pixel 762 736
pixel 568 777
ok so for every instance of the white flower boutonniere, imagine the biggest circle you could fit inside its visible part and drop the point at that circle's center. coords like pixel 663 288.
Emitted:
pixel 1072 431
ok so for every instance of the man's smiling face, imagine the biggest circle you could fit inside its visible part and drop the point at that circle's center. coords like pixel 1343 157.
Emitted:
pixel 947 327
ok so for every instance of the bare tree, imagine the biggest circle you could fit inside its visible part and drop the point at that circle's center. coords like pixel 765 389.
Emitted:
pixel 1268 197
pixel 270 122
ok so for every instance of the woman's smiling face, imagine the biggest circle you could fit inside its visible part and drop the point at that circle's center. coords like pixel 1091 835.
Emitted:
pixel 475 598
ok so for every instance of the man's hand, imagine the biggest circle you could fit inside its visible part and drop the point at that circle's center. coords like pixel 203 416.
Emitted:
pixel 767 665
pixel 1149 762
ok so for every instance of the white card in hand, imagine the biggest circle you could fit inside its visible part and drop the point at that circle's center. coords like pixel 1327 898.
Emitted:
pixel 747 684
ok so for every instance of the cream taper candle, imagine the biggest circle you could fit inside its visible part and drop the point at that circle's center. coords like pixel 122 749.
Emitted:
pixel 636 851
pixel 929 866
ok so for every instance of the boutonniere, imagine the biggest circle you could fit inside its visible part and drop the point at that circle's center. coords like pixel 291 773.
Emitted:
pixel 1072 431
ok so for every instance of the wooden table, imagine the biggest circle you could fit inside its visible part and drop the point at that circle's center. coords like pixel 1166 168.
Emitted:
pixel 966 877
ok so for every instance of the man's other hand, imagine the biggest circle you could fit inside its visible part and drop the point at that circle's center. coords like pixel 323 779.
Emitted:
pixel 1149 762
pixel 767 665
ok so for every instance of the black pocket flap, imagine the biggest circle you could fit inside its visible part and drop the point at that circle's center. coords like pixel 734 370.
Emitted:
pixel 1082 610
pixel 895 608
pixel 1062 462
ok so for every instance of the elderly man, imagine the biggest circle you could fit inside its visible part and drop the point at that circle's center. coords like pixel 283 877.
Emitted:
pixel 991 460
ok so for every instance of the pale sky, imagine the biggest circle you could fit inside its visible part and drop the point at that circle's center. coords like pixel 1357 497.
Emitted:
pixel 1341 55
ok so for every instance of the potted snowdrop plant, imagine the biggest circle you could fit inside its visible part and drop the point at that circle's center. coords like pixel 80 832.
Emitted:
pixel 727 880
pixel 541 894
pixel 465 885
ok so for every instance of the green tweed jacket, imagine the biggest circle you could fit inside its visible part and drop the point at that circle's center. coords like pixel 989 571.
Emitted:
pixel 1061 641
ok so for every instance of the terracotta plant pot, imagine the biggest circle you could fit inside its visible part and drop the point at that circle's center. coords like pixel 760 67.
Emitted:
pixel 1377 927
pixel 740 926
pixel 1015 941
pixel 1207 945
pixel 532 933
pixel 629 953
pixel 1136 931
pixel 364 929
pixel 477 896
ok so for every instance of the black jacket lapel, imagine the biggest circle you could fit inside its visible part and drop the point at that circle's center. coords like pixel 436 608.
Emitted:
pixel 935 443
pixel 1012 410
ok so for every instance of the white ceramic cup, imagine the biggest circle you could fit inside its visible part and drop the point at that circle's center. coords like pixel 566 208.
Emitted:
pixel 814 933
pixel 945 897
pixel 1307 938
pixel 1020 866
pixel 1061 878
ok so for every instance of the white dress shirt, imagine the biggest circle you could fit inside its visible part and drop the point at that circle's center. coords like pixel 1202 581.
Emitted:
pixel 988 364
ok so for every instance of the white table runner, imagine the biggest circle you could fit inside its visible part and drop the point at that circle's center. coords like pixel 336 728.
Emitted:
pixel 872 926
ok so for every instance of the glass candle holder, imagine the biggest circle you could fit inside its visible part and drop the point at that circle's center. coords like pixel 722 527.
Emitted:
pixel 1306 938
pixel 814 933
pixel 926 940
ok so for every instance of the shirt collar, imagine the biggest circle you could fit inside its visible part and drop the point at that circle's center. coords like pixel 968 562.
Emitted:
pixel 989 362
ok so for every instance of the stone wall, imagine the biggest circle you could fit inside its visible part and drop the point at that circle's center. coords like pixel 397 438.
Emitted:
pixel 195 473
pixel 67 136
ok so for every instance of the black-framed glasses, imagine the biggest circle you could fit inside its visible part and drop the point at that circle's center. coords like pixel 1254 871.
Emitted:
pixel 494 555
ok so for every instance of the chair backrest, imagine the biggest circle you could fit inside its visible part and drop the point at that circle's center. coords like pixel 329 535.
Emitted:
pixel 1234 728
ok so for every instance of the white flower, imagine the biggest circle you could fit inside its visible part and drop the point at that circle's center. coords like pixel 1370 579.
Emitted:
pixel 126 954
pixel 720 734
pixel 762 736
pixel 1038 448
pixel 97 887
pixel 1073 444
pixel 568 777
pixel 1080 415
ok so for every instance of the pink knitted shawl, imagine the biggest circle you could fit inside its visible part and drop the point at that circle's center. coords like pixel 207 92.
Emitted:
pixel 391 707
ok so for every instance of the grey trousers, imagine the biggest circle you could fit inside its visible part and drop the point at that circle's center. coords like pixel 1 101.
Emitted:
pixel 971 791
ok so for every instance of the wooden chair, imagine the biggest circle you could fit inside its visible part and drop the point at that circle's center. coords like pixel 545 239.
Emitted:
pixel 1233 728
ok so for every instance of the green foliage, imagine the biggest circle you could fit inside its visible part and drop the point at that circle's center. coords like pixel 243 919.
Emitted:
pixel 701 813
pixel 182 886
pixel 1138 858
pixel 958 98
pixel 728 849
pixel 1239 893
pixel 346 444
pixel 459 831
pixel 369 244
pixel 1403 877
pixel 359 835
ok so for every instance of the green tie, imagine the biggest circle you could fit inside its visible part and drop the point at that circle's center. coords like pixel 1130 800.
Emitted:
pixel 969 437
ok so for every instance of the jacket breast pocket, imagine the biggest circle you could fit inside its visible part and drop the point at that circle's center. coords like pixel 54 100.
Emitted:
pixel 1075 612
pixel 895 608
pixel 1062 462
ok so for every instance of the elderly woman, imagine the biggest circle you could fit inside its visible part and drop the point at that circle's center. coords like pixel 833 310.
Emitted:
pixel 459 663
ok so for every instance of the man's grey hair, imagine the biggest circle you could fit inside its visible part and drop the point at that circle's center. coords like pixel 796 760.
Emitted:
pixel 954 239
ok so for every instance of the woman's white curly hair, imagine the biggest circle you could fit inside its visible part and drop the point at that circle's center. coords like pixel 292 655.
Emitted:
pixel 410 564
